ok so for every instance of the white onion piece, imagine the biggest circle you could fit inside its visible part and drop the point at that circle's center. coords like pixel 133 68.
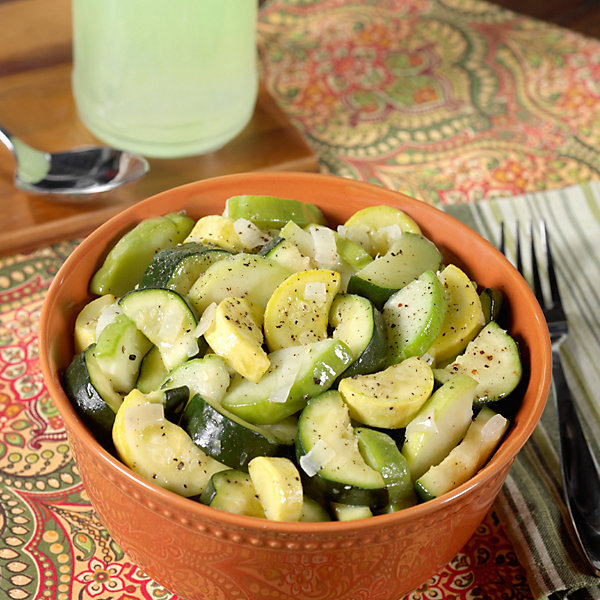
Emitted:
pixel 107 316
pixel 285 380
pixel 206 319
pixel 428 358
pixel 358 235
pixel 137 418
pixel 315 291
pixel 493 428
pixel 170 327
pixel 250 235
pixel 326 254
pixel 317 457
pixel 424 424
pixel 392 232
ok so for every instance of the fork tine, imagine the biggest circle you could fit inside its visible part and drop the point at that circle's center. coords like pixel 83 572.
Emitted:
pixel 554 293
pixel 502 241
pixel 519 256
pixel 535 271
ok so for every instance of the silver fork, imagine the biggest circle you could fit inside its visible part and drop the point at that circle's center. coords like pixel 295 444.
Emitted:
pixel 581 480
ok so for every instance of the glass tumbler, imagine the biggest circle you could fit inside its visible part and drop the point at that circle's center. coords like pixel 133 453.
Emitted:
pixel 165 78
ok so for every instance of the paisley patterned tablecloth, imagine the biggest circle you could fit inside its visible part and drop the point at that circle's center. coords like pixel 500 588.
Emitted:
pixel 451 101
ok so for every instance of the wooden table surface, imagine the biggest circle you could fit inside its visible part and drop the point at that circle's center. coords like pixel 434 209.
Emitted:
pixel 36 104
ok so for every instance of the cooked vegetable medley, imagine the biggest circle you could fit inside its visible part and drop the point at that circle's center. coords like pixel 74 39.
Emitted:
pixel 266 364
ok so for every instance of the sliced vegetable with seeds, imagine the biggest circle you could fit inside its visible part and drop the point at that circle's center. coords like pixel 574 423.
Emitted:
pixel 464 460
pixel 464 316
pixel 239 275
pixel 86 322
pixel 235 334
pixel 126 262
pixel 298 310
pixel 439 425
pixel 360 325
pixel 408 257
pixel 159 450
pixel 277 484
pixel 414 316
pixel 166 320
pixel 493 360
pixel 327 449
pixel 388 398
pixel 376 228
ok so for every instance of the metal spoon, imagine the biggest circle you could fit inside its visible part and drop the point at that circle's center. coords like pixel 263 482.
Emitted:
pixel 81 171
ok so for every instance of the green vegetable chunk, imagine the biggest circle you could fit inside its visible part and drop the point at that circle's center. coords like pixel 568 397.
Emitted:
pixel 126 262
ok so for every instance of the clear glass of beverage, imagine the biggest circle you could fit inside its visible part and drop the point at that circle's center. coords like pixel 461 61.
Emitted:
pixel 165 78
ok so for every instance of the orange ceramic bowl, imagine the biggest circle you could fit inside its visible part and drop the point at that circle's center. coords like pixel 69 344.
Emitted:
pixel 204 554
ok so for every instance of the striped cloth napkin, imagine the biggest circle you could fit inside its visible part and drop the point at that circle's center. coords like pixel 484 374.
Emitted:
pixel 531 502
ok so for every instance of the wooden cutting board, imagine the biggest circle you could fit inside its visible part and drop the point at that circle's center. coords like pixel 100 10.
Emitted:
pixel 36 104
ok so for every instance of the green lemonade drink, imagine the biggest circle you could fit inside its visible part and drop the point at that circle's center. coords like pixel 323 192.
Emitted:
pixel 165 78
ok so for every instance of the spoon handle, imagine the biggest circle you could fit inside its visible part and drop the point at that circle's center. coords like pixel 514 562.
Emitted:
pixel 6 137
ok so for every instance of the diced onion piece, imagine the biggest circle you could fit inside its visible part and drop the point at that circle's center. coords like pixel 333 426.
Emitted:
pixel 250 235
pixel 326 254
pixel 315 290
pixel 317 457
pixel 426 424
pixel 107 316
pixel 286 377
pixel 137 418
pixel 170 327
pixel 206 319
pixel 357 235
pixel 493 427
pixel 428 358
pixel 391 232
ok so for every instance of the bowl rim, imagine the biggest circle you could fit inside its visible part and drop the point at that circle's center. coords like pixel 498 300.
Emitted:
pixel 502 458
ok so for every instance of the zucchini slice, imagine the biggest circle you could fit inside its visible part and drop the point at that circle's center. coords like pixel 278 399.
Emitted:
pixel 414 316
pixel 481 439
pixel 492 302
pixel 225 436
pixel 92 394
pixel 233 491
pixel 361 326
pixel 235 334
pixel 207 376
pixel 381 453
pixel 350 512
pixel 298 310
pixel 271 212
pixel 378 227
pixel 179 267
pixel 389 398
pixel 277 484
pixel 286 254
pixel 164 317
pixel 87 321
pixel 464 316
pixel 240 275
pixel 126 262
pixel 439 425
pixel 493 360
pixel 295 375
pixel 218 231
pixel 159 450
pixel 152 371
pixel 327 449
pixel 407 258
pixel 120 349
